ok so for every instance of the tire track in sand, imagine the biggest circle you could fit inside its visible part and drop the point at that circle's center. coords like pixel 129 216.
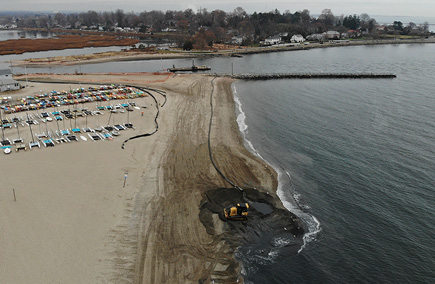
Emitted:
pixel 176 247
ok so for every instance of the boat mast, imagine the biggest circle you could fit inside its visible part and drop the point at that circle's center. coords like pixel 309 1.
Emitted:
pixel 1 121
pixel 18 131
pixel 30 126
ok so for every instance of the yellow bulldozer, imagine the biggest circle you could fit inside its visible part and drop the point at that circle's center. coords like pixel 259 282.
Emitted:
pixel 238 212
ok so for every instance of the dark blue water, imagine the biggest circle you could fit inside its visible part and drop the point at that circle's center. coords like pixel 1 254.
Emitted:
pixel 361 158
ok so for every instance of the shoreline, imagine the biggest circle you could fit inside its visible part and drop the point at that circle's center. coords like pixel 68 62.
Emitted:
pixel 171 206
pixel 310 224
pixel 133 56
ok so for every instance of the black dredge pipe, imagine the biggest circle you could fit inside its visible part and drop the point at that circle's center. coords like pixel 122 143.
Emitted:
pixel 147 90
pixel 162 93
pixel 209 142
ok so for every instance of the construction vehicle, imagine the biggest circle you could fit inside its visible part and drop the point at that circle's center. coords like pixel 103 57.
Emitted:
pixel 238 212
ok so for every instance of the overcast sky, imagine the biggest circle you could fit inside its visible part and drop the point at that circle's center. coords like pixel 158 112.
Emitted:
pixel 424 8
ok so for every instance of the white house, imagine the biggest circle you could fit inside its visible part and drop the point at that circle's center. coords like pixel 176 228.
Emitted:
pixel 6 81
pixel 238 40
pixel 272 40
pixel 317 37
pixel 297 38
pixel 332 35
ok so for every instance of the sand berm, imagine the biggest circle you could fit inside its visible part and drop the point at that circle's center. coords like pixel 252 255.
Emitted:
pixel 74 222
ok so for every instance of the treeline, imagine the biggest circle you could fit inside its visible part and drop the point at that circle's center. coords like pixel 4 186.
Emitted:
pixel 215 26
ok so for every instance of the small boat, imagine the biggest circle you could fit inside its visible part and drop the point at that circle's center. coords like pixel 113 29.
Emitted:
pixel 88 129
pixel 119 127
pixel 48 143
pixel 61 139
pixel 94 137
pixel 5 142
pixel 6 149
pixel 18 140
pixel 34 144
pixel 107 136
pixel 72 137
pixel 41 136
pixel 21 147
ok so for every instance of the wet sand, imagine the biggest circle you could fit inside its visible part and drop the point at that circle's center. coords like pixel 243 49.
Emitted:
pixel 74 222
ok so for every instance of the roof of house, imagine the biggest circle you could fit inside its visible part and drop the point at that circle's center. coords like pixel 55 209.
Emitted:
pixel 7 81
pixel 274 38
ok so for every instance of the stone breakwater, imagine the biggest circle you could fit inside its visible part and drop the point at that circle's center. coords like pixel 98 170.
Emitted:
pixel 307 76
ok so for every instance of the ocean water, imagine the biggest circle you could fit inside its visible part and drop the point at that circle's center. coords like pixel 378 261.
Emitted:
pixel 357 163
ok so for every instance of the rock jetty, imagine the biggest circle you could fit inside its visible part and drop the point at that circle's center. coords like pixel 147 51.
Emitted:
pixel 307 76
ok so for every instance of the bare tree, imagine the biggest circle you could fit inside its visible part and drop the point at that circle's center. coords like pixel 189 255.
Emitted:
pixel 60 19
pixel 425 27
pixel 327 17
pixel 120 16
pixel 219 18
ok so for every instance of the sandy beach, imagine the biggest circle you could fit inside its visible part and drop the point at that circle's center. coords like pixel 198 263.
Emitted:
pixel 73 220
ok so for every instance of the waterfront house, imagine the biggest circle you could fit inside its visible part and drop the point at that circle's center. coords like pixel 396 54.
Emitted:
pixel 315 37
pixel 354 33
pixel 272 40
pixel 6 81
pixel 237 40
pixel 329 35
pixel 297 38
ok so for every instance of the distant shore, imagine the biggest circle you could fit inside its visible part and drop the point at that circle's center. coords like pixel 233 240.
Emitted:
pixel 237 51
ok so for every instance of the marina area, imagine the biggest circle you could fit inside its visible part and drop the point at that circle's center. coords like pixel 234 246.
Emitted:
pixel 96 113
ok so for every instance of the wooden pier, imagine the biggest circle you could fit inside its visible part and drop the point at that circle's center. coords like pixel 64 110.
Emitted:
pixel 308 76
